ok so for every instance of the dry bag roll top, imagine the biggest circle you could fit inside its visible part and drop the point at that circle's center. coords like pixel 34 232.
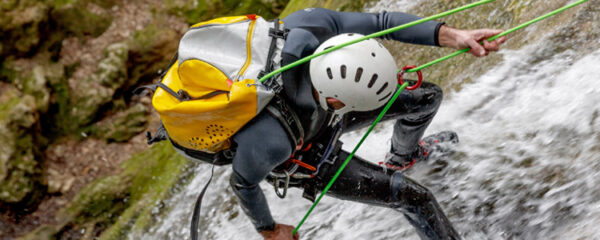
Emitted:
pixel 211 90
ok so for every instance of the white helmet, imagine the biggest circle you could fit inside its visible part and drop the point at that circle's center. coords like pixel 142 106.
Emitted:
pixel 363 75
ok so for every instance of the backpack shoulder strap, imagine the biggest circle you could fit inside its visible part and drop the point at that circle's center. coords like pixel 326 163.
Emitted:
pixel 288 119
pixel 276 33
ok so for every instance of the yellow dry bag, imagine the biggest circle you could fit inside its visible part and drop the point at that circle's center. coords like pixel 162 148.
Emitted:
pixel 211 90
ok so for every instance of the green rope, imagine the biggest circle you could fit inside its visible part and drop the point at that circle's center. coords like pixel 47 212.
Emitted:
pixel 402 87
pixel 459 52
pixel 337 174
pixel 373 35
pixel 389 104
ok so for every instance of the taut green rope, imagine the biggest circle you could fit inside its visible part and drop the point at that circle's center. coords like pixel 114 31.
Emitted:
pixel 373 35
pixel 459 52
pixel 389 104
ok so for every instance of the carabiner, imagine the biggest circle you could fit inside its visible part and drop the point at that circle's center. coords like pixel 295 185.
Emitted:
pixel 285 186
pixel 419 81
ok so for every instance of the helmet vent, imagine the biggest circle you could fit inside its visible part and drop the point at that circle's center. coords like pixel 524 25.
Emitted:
pixel 359 72
pixel 373 54
pixel 382 88
pixel 373 79
pixel 329 74
pixel 343 71
pixel 384 97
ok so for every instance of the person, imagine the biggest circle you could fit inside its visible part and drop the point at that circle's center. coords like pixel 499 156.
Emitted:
pixel 264 145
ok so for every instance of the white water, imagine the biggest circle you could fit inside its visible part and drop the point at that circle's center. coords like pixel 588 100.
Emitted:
pixel 526 168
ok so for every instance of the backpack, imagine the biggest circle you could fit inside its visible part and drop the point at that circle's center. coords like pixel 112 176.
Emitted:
pixel 210 91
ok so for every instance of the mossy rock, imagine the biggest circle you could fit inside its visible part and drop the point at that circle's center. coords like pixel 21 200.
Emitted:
pixel 126 201
pixel 74 19
pixel 78 103
pixel 123 125
pixel 34 81
pixel 151 51
pixel 197 11
pixel 338 5
pixel 18 166
pixel 20 25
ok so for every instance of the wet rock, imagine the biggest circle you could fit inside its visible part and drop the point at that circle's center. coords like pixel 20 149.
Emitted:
pixel 123 125
pixel 89 95
pixel 76 19
pixel 32 76
pixel 194 11
pixel 126 200
pixel 59 182
pixel 151 50
pixel 20 24
pixel 340 5
pixel 17 162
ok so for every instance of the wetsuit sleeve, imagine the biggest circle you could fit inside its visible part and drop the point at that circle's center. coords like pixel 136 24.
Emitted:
pixel 366 23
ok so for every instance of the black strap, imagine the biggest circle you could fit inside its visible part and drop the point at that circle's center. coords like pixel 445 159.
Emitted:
pixel 170 91
pixel 275 34
pixel 182 95
pixel 198 205
pixel 160 135
pixel 288 119
pixel 139 90
pixel 166 69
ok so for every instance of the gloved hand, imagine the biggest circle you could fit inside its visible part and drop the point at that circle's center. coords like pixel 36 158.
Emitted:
pixel 281 232
pixel 460 39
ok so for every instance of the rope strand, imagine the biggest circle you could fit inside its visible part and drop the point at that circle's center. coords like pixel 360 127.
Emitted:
pixel 459 52
pixel 403 86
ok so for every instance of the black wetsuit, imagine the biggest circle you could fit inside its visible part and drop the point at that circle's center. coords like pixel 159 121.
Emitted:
pixel 263 144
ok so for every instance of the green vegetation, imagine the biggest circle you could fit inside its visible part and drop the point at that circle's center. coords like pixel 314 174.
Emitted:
pixel 122 202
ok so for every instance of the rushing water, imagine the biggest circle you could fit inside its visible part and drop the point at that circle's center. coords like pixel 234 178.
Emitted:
pixel 526 168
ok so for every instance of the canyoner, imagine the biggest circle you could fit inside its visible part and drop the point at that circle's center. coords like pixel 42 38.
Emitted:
pixel 273 97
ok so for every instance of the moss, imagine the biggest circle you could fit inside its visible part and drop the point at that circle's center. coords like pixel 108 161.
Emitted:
pixel 75 20
pixel 34 81
pixel 20 24
pixel 197 11
pixel 123 201
pixel 18 166
pixel 339 5
pixel 104 3
pixel 62 3
pixel 122 126
pixel 79 104
pixel 151 50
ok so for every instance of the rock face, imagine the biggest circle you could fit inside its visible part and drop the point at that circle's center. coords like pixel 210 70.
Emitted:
pixel 18 165
pixel 67 70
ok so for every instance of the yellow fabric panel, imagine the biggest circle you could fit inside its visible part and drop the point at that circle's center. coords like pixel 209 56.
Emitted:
pixel 222 20
pixel 207 124
pixel 200 78
pixel 162 100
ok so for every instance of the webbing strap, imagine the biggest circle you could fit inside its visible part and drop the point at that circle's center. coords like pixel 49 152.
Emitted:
pixel 275 34
pixel 198 205
pixel 288 119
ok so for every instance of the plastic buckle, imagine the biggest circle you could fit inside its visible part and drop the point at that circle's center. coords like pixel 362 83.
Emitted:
pixel 419 81
pixel 276 33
